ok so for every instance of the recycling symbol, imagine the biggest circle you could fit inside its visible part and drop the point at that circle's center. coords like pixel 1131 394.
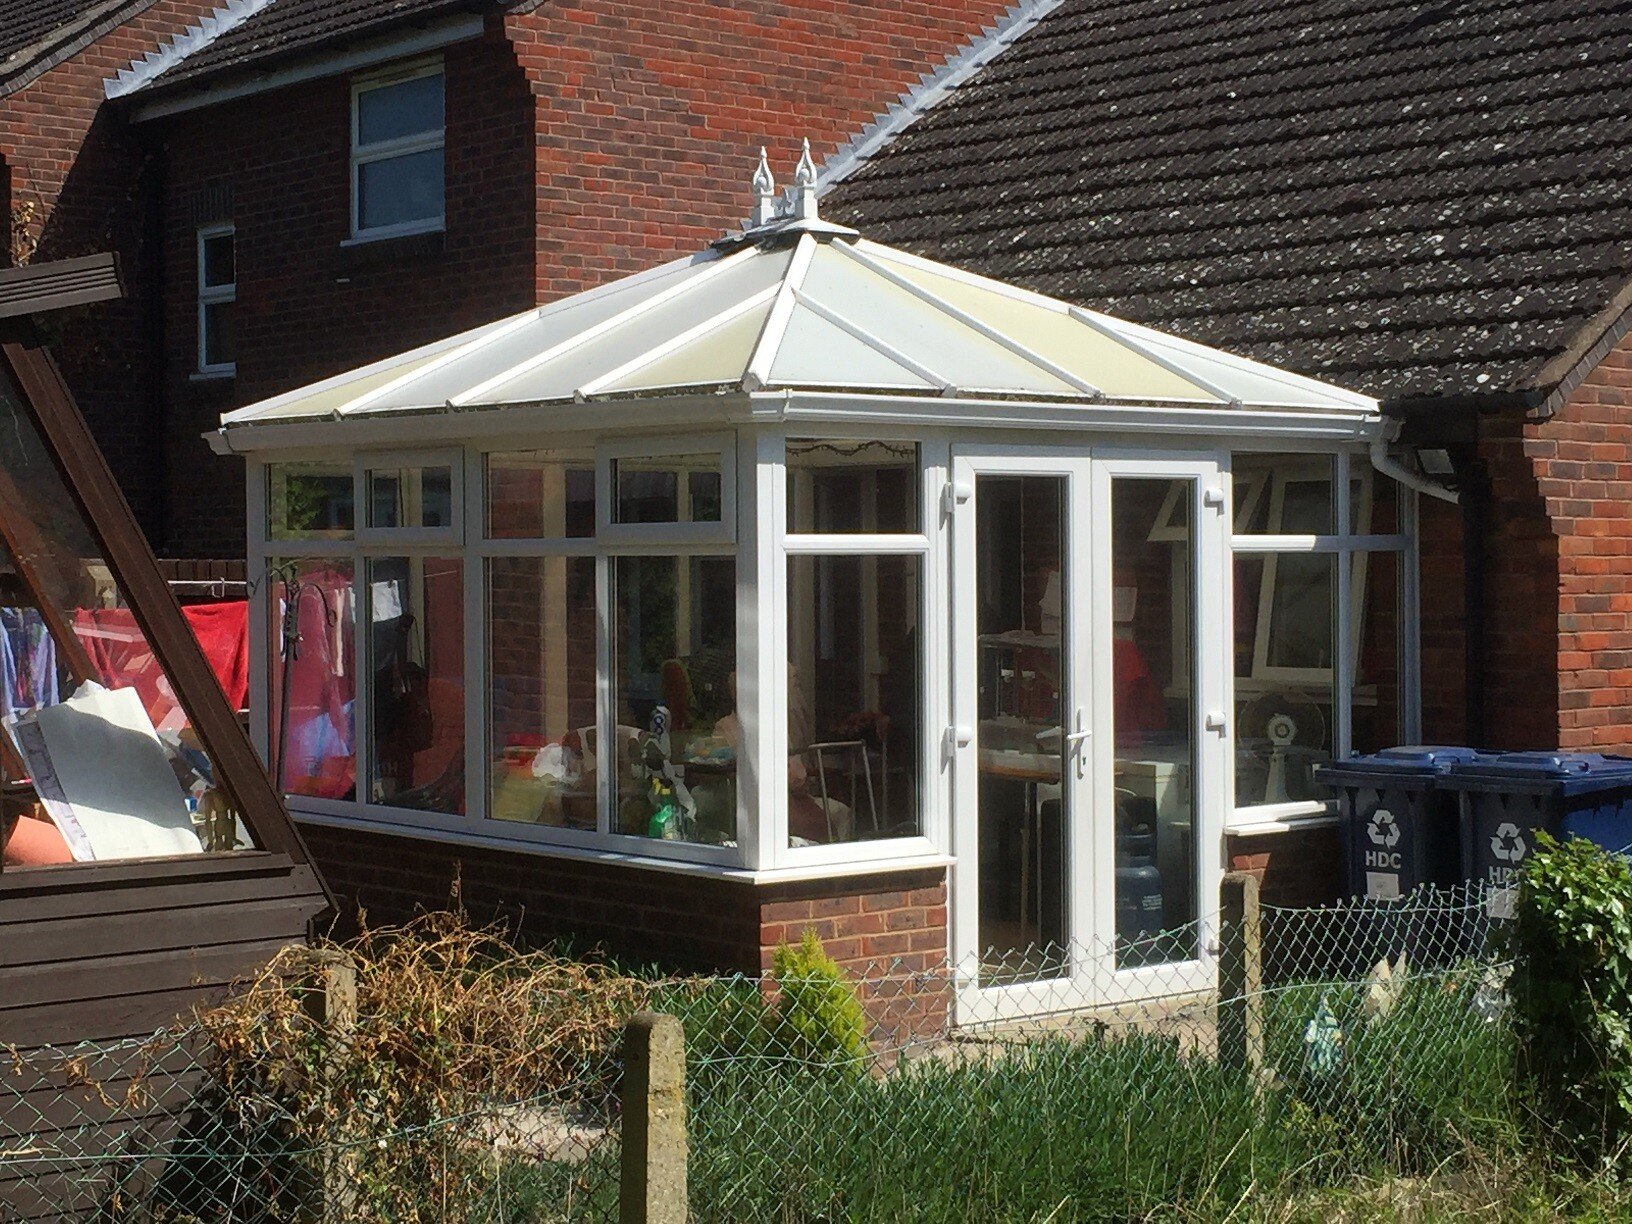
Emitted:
pixel 1507 845
pixel 1384 830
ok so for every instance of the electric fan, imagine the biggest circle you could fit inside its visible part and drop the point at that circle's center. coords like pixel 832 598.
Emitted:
pixel 1284 734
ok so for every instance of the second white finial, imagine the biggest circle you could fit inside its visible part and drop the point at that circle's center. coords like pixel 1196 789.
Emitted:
pixel 764 192
pixel 804 186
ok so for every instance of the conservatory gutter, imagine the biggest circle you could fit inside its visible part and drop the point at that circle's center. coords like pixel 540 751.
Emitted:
pixel 734 407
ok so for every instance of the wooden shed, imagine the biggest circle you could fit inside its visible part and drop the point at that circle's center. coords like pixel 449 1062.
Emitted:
pixel 148 862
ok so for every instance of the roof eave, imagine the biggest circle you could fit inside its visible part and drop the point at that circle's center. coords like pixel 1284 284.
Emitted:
pixel 391 38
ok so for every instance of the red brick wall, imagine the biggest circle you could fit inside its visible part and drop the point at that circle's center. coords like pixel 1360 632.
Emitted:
pixel 80 183
pixel 897 920
pixel 651 114
pixel 277 166
pixel 1581 461
pixel 1298 868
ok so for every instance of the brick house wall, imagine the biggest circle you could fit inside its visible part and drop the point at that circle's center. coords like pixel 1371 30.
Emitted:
pixel 80 183
pixel 277 166
pixel 585 140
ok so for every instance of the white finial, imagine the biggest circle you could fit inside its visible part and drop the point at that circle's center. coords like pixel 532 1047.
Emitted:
pixel 764 192
pixel 804 183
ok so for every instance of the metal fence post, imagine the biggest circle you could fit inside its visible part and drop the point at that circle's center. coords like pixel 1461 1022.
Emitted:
pixel 652 1188
pixel 1240 974
pixel 330 1000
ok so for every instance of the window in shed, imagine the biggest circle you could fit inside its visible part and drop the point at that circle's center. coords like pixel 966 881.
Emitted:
pixel 99 759
pixel 397 152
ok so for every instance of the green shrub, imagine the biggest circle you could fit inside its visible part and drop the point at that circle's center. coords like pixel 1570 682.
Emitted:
pixel 1571 942
pixel 818 1018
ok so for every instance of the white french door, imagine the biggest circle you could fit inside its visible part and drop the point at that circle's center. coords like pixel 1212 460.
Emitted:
pixel 1089 726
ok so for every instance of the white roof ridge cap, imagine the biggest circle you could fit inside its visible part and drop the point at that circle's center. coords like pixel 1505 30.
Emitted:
pixel 756 376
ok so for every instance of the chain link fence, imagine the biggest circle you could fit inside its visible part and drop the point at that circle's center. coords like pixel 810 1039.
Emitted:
pixel 1072 1083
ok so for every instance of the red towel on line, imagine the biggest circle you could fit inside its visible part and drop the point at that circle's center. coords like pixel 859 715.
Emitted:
pixel 122 656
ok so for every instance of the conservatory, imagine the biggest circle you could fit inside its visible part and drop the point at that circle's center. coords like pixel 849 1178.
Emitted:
pixel 804 558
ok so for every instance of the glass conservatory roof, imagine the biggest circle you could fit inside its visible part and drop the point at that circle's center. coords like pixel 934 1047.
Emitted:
pixel 803 305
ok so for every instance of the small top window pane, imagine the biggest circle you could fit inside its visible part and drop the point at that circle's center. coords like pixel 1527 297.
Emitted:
pixel 668 489
pixel 220 268
pixel 410 497
pixel 1283 495
pixel 307 501
pixel 852 487
pixel 541 495
pixel 395 111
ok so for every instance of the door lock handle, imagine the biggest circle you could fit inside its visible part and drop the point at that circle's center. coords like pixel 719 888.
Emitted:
pixel 1216 721
pixel 1077 737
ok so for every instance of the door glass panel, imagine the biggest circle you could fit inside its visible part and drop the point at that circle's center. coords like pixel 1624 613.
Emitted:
pixel 1023 818
pixel 1153 711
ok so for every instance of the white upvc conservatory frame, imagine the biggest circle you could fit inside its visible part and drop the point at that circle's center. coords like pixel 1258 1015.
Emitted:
pixel 753 430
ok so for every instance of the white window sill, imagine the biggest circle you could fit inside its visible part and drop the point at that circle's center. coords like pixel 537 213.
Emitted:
pixel 221 374
pixel 401 231
pixel 621 858
pixel 1266 825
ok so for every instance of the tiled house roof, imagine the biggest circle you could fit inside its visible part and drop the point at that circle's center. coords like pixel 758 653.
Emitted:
pixel 34 34
pixel 1412 199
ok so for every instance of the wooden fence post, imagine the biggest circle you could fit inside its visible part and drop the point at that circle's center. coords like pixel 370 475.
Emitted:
pixel 652 1189
pixel 330 1000
pixel 1240 975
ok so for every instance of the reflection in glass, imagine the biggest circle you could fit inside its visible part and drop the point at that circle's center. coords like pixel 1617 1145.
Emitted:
pixel 1023 591
pixel 98 759
pixel 667 489
pixel 541 495
pixel 410 497
pixel 852 486
pixel 310 500
pixel 313 677
pixel 1153 696
pixel 1284 645
pixel 1375 585
pixel 416 660
pixel 674 661
pixel 541 689
pixel 853 698
pixel 1283 494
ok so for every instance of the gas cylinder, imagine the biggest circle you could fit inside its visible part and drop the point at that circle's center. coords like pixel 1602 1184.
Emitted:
pixel 1139 909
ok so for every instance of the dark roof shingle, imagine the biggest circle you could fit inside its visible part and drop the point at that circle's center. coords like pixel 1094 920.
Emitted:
pixel 288 28
pixel 1410 198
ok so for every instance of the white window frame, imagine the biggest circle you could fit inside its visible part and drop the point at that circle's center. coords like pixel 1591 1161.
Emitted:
pixel 402 146
pixel 450 536
pixel 929 545
pixel 643 535
pixel 1350 550
pixel 214 295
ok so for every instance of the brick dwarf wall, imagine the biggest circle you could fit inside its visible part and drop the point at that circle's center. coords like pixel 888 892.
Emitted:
pixel 1299 868
pixel 79 183
pixel 891 925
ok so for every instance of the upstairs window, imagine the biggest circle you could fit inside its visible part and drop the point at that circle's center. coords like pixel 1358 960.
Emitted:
pixel 217 300
pixel 396 153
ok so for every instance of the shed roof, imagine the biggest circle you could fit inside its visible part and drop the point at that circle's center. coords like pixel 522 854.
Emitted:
pixel 1417 200
pixel 803 306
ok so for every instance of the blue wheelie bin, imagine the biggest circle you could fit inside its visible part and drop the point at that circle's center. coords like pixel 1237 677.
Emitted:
pixel 1399 828
pixel 1504 798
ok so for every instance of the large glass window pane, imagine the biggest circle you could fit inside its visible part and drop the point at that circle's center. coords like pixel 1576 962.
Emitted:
pixel 217 259
pixel 1375 591
pixel 1284 673
pixel 220 346
pixel 541 494
pixel 404 108
pixel 410 497
pixel 541 690
pixel 1153 708
pixel 674 663
pixel 1024 591
pixel 850 486
pixel 313 677
pixel 854 698
pixel 667 489
pixel 400 190
pixel 1283 494
pixel 310 500
pixel 98 757
pixel 416 661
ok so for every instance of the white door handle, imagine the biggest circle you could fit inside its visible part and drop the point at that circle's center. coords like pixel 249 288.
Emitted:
pixel 960 736
pixel 1215 721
